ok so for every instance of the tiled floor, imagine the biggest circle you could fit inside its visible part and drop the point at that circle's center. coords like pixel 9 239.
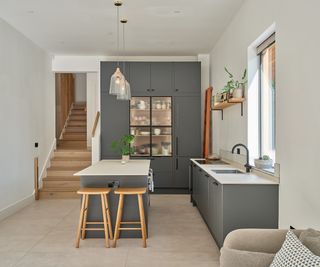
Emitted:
pixel 43 235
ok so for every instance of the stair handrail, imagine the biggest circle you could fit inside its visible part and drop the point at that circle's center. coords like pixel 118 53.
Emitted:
pixel 95 124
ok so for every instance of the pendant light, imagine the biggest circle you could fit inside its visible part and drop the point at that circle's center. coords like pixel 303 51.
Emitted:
pixel 117 78
pixel 125 91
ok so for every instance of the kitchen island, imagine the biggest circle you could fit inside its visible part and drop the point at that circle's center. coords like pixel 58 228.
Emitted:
pixel 114 174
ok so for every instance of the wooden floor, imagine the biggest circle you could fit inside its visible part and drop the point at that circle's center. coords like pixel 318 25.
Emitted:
pixel 70 157
pixel 43 235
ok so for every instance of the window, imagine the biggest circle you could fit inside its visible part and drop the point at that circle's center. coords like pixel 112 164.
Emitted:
pixel 267 94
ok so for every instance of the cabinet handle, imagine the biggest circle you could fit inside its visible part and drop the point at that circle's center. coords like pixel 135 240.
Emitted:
pixel 177 89
pixel 152 158
pixel 215 183
pixel 177 146
pixel 148 90
pixel 153 90
pixel 177 163
pixel 207 175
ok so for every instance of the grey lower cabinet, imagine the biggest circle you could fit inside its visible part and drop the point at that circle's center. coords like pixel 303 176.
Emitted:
pixel 163 172
pixel 227 207
pixel 181 170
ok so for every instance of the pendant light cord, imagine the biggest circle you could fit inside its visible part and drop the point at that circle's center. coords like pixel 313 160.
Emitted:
pixel 123 51
pixel 118 39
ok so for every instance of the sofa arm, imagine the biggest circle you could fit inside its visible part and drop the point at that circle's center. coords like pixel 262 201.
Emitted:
pixel 257 240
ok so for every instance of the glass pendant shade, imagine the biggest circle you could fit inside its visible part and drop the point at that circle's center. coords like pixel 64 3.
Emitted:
pixel 116 81
pixel 125 91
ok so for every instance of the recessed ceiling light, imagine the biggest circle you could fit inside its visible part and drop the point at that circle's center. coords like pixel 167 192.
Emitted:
pixel 30 11
pixel 177 11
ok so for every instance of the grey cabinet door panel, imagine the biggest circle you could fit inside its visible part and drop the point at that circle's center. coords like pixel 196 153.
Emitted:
pixel 187 77
pixel 195 180
pixel 161 78
pixel 140 78
pixel 162 164
pixel 163 179
pixel 203 195
pixel 106 71
pixel 187 124
pixel 181 172
pixel 114 123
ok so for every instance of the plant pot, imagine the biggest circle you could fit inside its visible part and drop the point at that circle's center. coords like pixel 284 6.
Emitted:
pixel 263 164
pixel 237 93
pixel 125 159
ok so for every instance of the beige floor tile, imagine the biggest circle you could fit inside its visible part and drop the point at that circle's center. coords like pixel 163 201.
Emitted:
pixel 43 234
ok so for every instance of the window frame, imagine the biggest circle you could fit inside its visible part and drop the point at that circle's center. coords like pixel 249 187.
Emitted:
pixel 260 50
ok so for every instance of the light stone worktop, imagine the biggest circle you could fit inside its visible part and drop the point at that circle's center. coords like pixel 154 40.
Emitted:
pixel 116 168
pixel 230 178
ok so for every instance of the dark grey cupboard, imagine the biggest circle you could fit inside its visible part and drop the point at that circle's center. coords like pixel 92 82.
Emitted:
pixel 158 79
pixel 227 207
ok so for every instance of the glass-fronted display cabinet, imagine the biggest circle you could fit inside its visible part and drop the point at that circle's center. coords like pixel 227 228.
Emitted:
pixel 151 124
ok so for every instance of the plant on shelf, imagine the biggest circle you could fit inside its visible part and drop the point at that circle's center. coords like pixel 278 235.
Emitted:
pixel 235 87
pixel 123 145
pixel 264 162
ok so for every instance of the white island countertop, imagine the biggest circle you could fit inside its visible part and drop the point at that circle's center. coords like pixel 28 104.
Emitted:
pixel 116 168
pixel 239 178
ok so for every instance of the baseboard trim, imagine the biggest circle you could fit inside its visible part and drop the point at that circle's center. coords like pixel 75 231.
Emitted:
pixel 13 208
pixel 46 164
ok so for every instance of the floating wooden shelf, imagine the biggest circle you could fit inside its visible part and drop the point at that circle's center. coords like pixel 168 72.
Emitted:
pixel 228 103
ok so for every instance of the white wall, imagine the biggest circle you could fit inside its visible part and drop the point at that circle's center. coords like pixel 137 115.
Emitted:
pixel 298 124
pixel 26 115
pixel 80 84
pixel 93 104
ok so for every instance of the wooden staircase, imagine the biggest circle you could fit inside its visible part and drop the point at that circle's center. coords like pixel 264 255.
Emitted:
pixel 70 157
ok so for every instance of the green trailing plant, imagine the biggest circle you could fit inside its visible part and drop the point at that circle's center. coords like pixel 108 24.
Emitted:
pixel 265 157
pixel 233 84
pixel 123 145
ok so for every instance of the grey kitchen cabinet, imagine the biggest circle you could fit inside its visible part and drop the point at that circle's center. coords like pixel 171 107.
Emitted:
pixel 195 181
pixel 227 207
pixel 187 78
pixel 187 117
pixel 203 194
pixel 215 214
pixel 156 79
pixel 151 78
pixel 161 78
pixel 140 80
pixel 112 127
pixel 181 178
pixel 162 170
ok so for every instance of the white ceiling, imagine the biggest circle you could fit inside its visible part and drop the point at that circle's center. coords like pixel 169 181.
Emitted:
pixel 88 27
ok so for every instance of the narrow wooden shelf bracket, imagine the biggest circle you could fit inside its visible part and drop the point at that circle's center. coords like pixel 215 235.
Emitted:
pixel 228 103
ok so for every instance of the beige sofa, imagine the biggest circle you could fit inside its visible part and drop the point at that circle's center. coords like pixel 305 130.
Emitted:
pixel 252 247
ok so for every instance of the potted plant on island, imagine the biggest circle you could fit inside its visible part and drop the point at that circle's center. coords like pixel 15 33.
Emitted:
pixel 264 162
pixel 123 145
pixel 235 88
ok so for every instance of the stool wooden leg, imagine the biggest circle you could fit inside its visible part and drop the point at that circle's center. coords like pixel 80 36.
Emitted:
pixel 105 222
pixel 80 222
pixel 84 224
pixel 108 216
pixel 142 221
pixel 118 222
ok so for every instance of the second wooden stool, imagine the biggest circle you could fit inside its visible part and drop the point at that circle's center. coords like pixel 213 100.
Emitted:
pixel 130 191
pixel 82 228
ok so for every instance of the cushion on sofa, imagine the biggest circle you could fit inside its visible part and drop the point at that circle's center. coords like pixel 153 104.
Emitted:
pixel 239 258
pixel 311 239
pixel 294 253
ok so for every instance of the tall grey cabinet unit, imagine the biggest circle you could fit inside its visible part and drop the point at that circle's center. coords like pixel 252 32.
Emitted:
pixel 181 81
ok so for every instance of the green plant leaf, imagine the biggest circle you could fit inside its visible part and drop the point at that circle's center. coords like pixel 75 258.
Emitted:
pixel 229 73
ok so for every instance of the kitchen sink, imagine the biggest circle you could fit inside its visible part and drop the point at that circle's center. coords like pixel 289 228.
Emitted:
pixel 230 171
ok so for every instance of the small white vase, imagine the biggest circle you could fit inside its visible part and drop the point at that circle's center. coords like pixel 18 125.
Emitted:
pixel 237 93
pixel 125 159
pixel 263 164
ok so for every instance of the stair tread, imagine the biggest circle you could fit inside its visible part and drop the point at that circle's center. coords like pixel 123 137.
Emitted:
pixel 58 189
pixel 61 178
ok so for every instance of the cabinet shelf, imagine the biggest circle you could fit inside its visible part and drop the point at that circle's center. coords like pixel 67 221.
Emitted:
pixel 220 106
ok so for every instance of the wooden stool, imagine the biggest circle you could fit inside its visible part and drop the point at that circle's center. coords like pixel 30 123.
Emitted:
pixel 130 191
pixel 86 192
